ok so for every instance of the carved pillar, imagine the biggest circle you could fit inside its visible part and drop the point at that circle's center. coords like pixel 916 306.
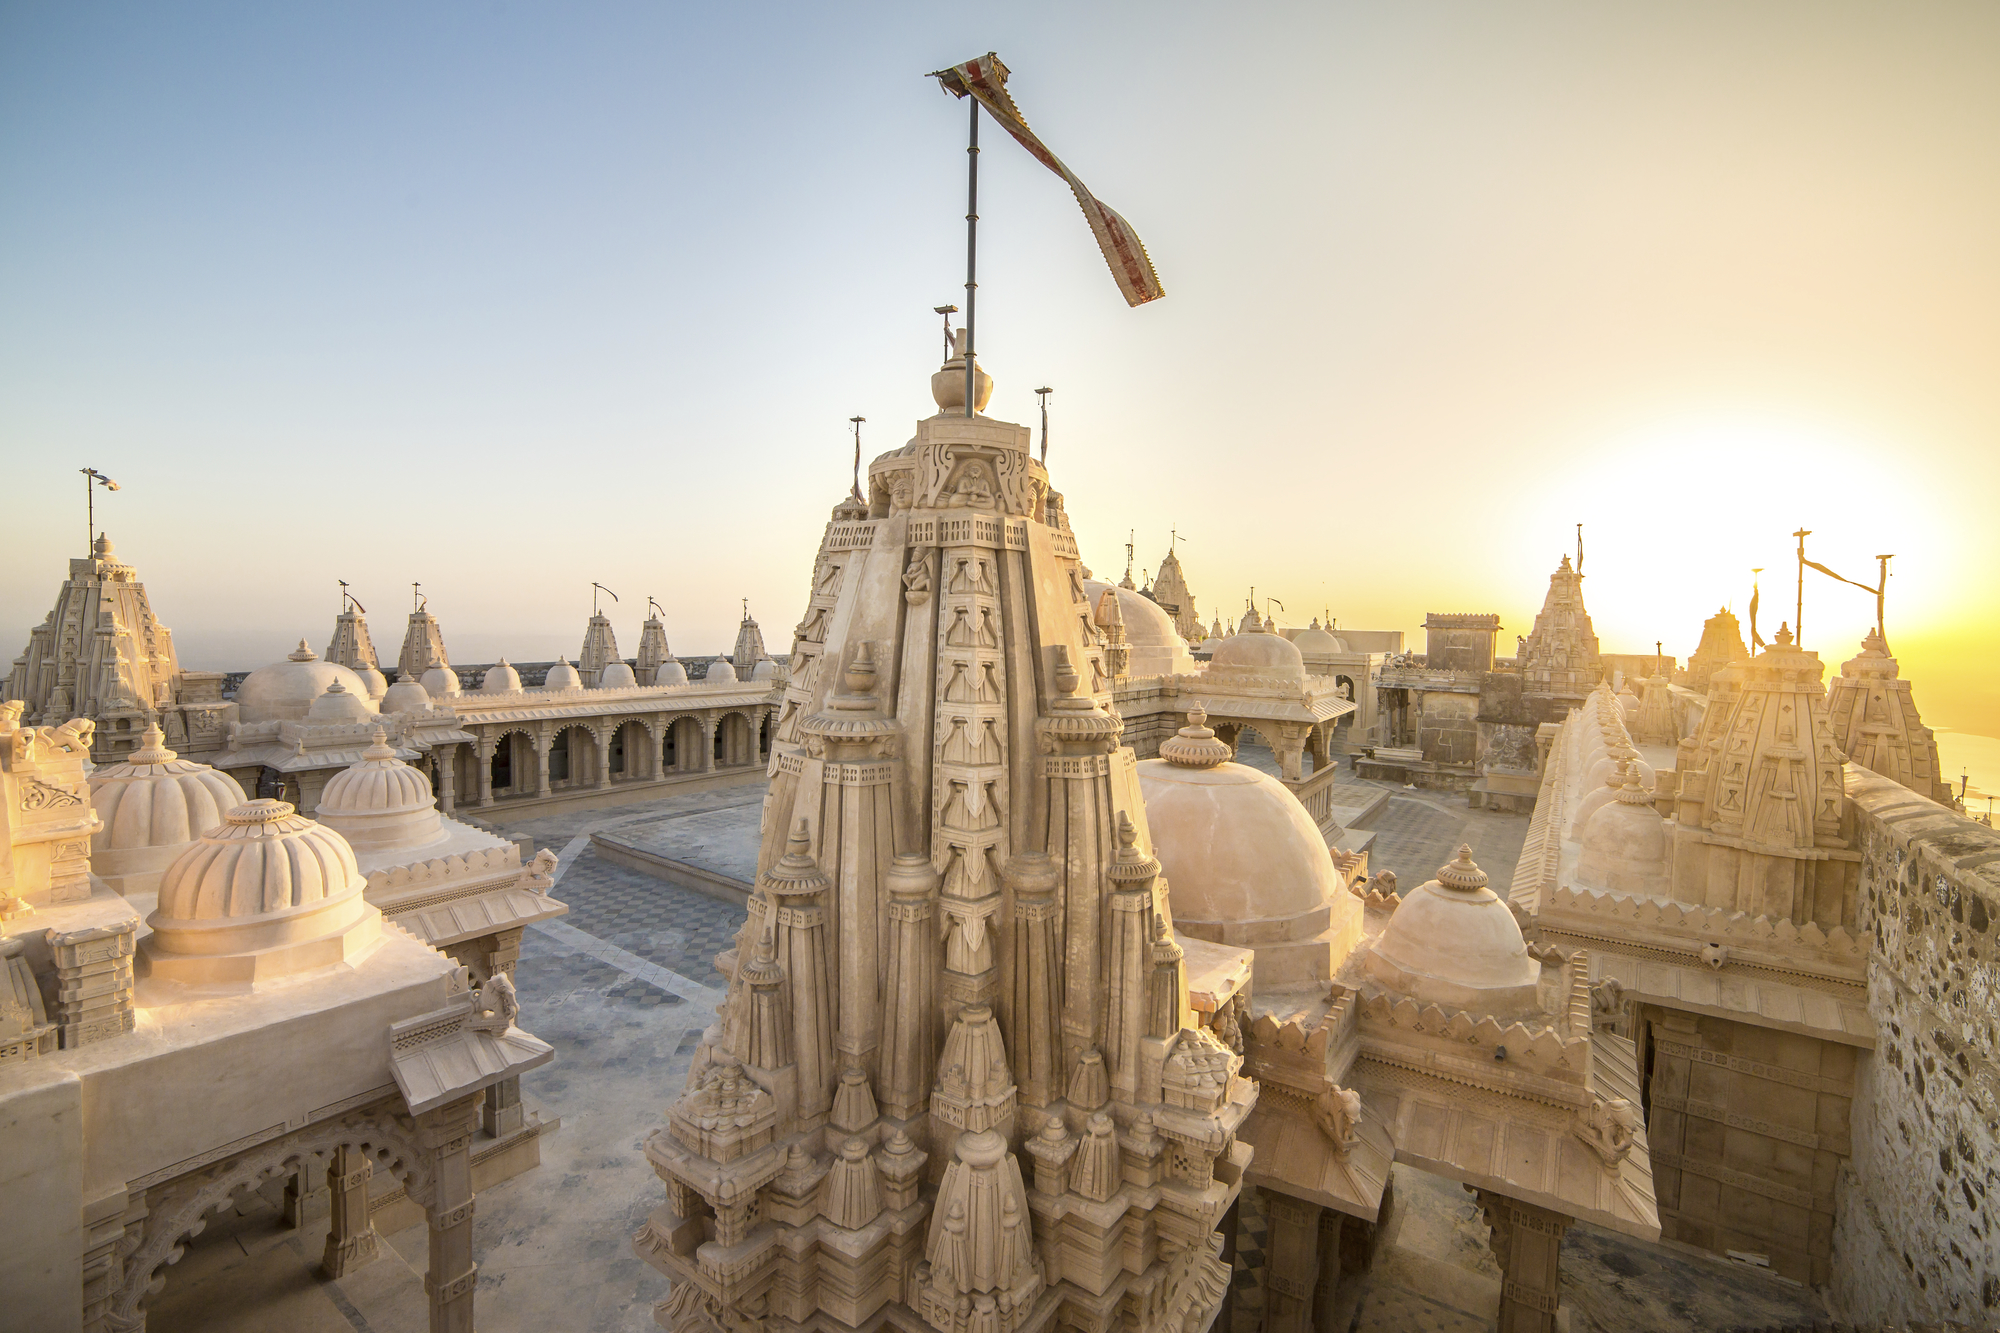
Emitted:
pixel 501 1113
pixel 1035 1009
pixel 93 982
pixel 542 743
pixel 1527 1243
pixel 909 1020
pixel 352 1241
pixel 446 1133
pixel 447 762
pixel 1289 740
pixel 1331 1223
pixel 602 778
pixel 708 727
pixel 485 754
pixel 1292 1272
pixel 306 1193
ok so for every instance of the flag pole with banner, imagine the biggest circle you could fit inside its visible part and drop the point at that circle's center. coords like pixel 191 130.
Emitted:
pixel 984 80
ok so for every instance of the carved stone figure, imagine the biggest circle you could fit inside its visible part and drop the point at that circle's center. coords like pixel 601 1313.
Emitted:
pixel 1609 1127
pixel 1337 1112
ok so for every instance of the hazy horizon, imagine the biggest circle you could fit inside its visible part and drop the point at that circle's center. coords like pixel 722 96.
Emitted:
pixel 506 301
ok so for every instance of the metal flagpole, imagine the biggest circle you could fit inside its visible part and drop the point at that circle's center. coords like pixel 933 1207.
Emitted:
pixel 1881 591
pixel 1799 612
pixel 857 454
pixel 971 247
pixel 1043 393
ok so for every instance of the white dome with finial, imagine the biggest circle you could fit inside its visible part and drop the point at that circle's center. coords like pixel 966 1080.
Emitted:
pixel 267 894
pixel 1257 653
pixel 405 696
pixel 671 672
pixel 340 704
pixel 285 691
pixel 152 806
pixel 562 676
pixel 764 670
pixel 617 676
pixel 441 682
pixel 1454 943
pixel 501 678
pixel 381 803
pixel 377 683
pixel 1312 641
pixel 720 672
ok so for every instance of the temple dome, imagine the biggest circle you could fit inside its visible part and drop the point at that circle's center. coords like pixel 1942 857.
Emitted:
pixel 285 691
pixel 764 670
pixel 500 678
pixel 617 676
pixel 1257 654
pixel 1454 943
pixel 377 683
pixel 340 704
pixel 671 672
pixel 151 806
pixel 381 803
pixel 1312 641
pixel 1244 862
pixel 441 682
pixel 562 676
pixel 1157 647
pixel 720 672
pixel 1625 845
pixel 267 894
pixel 405 696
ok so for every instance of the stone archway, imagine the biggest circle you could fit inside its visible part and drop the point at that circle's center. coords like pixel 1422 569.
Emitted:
pixel 178 1210
pixel 629 750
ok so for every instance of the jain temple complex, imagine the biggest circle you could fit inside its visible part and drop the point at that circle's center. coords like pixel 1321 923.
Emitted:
pixel 1069 952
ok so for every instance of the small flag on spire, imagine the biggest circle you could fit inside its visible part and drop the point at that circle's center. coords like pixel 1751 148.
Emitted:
pixel 986 79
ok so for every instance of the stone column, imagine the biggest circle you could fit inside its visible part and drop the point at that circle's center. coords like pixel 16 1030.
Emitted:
pixel 1331 1223
pixel 446 1134
pixel 485 754
pixel 447 762
pixel 708 726
pixel 1527 1243
pixel 1291 1264
pixel 603 774
pixel 501 1113
pixel 542 743
pixel 352 1241
pixel 1290 743
pixel 306 1193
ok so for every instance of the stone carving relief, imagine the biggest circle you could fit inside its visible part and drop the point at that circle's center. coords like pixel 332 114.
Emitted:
pixel 1337 1113
pixel 1610 1127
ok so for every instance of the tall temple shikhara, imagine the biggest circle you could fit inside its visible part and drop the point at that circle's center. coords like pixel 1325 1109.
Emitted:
pixel 956 1083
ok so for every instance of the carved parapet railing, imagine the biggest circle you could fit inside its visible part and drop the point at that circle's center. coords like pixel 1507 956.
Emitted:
pixel 443 869
pixel 1548 1053
pixel 1711 934
pixel 1315 793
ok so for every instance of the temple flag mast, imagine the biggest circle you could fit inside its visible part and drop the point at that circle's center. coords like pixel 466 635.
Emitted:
pixel 92 477
pixel 596 588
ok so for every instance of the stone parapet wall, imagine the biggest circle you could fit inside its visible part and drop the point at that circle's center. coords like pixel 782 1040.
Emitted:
pixel 1915 1237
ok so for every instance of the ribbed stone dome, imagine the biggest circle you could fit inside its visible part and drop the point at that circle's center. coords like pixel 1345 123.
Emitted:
pixel 285 691
pixel 500 678
pixel 267 894
pixel 1257 654
pixel 562 676
pixel 381 803
pixel 617 676
pixel 152 806
pixel 1453 943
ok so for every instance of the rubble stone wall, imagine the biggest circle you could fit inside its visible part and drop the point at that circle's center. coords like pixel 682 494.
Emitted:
pixel 1915 1237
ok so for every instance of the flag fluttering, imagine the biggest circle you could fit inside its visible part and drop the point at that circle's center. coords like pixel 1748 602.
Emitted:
pixel 1865 587
pixel 985 79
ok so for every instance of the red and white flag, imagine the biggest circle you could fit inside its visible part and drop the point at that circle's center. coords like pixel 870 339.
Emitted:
pixel 986 79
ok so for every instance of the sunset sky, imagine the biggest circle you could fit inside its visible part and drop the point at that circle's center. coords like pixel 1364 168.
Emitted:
pixel 507 298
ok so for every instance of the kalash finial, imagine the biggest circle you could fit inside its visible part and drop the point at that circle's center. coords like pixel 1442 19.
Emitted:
pixel 378 746
pixel 1462 874
pixel 1195 745
pixel 302 653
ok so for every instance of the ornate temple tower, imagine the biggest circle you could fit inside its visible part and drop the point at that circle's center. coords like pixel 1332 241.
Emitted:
pixel 653 652
pixel 1721 645
pixel 351 646
pixel 1874 721
pixel 600 649
pixel 1758 824
pixel 749 645
pixel 102 654
pixel 1559 660
pixel 956 1082
pixel 1170 590
pixel 423 646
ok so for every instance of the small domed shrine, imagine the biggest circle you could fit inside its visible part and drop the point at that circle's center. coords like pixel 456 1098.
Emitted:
pixel 501 678
pixel 1245 864
pixel 381 803
pixel 1453 942
pixel 152 805
pixel 562 676
pixel 267 894
pixel 285 691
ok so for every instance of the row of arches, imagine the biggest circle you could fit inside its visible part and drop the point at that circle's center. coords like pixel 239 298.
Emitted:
pixel 540 761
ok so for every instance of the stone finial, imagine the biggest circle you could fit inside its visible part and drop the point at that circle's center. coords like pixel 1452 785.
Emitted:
pixel 152 746
pixel 302 653
pixel 1195 745
pixel 1462 874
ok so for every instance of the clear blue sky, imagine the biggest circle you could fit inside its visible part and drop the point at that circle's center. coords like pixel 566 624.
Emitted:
pixel 507 298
